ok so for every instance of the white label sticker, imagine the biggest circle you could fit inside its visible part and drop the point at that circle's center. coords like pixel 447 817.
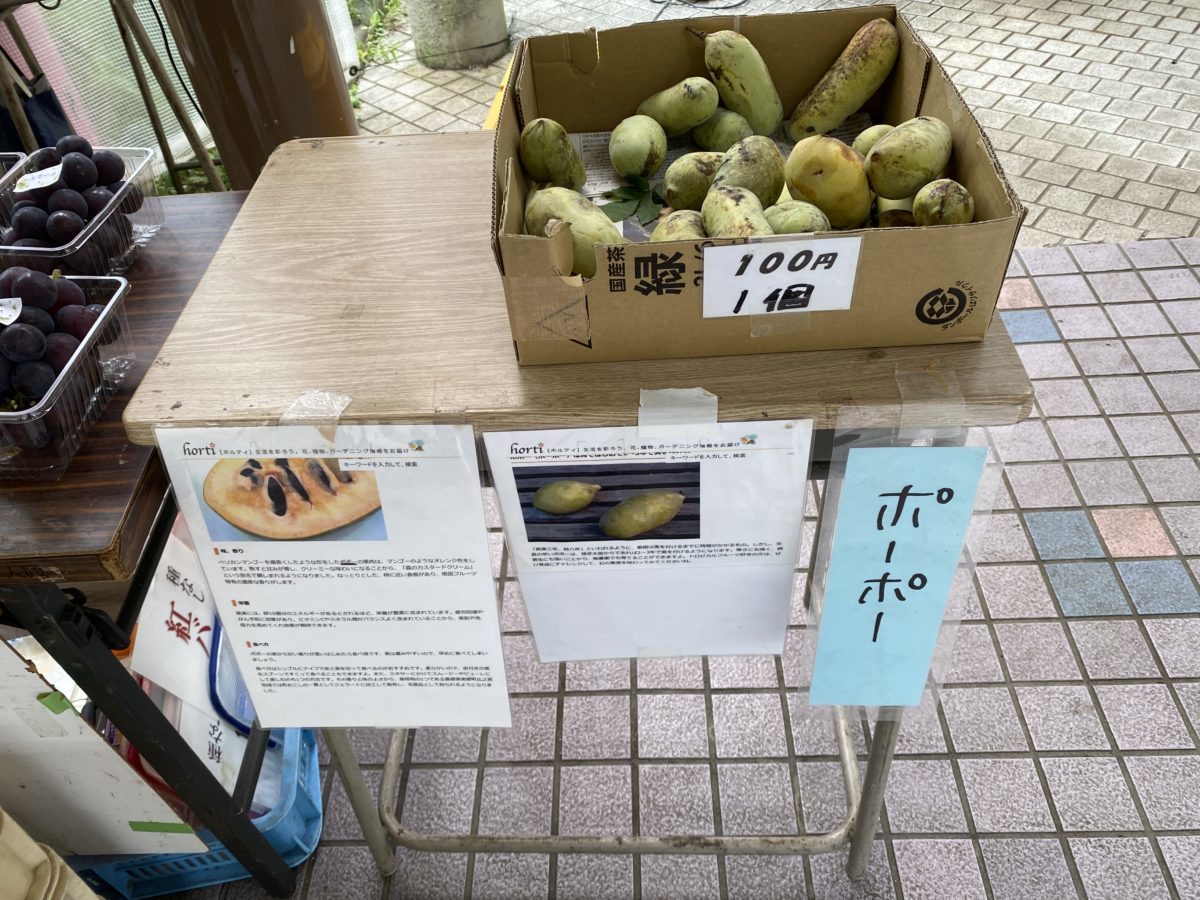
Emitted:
pixel 10 308
pixel 769 277
pixel 34 180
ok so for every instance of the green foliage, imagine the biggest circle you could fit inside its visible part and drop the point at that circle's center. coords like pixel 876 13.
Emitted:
pixel 377 44
pixel 640 198
pixel 193 181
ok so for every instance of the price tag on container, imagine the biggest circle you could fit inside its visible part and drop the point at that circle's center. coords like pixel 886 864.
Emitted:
pixel 774 277
pixel 34 180
pixel 10 309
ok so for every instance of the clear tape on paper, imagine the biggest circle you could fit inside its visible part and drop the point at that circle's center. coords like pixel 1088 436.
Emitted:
pixel 662 412
pixel 322 409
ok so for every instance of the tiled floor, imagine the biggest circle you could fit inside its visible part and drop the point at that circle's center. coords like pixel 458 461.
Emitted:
pixel 1092 106
pixel 1058 759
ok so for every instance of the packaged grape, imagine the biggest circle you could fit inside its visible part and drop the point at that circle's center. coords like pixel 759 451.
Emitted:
pixel 79 209
pixel 54 385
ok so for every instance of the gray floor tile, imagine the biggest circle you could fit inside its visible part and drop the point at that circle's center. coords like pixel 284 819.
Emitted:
pixel 339 872
pixel 1014 592
pixel 525 673
pixel 822 795
pixel 939 870
pixel 1161 354
pixel 439 801
pixel 982 720
pixel 748 725
pixel 675 799
pixel 445 745
pixel 922 797
pixel 1041 485
pixel 1148 435
pixel 1062 717
pixel 516 801
pixel 813 730
pixel 680 878
pixel 742 671
pixel 340 821
pixel 1098 257
pixel 1005 795
pixel 756 798
pixel 532 733
pixel 1170 478
pixel 1143 717
pixel 765 877
pixel 596 727
pixel 1064 397
pixel 1036 651
pixel 510 876
pixel 1086 438
pixel 1090 794
pixel 1113 649
pixel 1119 287
pixel 1183 522
pixel 920 728
pixel 1152 254
pixel 1125 394
pixel 678 672
pixel 438 876
pixel 1020 869
pixel 595 800
pixel 1168 786
pixel 598 675
pixel 1107 483
pixel 1137 319
pixel 1178 391
pixel 1103 358
pixel 1047 361
pixel 672 725
pixel 831 882
pixel 1027 441
pixel 1118 868
pixel 1006 540
pixel 1176 640
pixel 584 876
pixel 974 657
pixel 1182 855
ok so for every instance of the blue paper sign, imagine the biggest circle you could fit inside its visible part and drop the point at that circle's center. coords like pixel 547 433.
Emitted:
pixel 901 523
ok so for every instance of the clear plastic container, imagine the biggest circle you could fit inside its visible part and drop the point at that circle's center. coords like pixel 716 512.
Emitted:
pixel 110 242
pixel 38 443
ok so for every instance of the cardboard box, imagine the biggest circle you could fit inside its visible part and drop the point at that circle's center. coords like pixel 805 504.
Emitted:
pixel 912 285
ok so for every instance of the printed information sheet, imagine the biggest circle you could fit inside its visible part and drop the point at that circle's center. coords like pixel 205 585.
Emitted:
pixel 676 544
pixel 351 575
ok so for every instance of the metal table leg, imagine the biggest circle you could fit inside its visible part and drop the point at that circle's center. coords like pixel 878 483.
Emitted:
pixel 879 762
pixel 346 764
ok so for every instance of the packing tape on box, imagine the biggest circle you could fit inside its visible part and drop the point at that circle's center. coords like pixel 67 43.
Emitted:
pixel 320 408
pixel 662 411
pixel 547 308
pixel 785 323
pixel 932 407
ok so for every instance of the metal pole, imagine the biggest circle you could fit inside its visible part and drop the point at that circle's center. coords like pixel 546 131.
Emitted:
pixel 68 635
pixel 13 102
pixel 879 761
pixel 364 807
pixel 124 9
pixel 135 63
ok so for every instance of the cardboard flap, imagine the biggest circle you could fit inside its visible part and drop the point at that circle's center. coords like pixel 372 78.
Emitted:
pixel 547 308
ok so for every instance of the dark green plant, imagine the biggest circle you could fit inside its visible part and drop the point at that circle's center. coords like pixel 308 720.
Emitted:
pixel 640 198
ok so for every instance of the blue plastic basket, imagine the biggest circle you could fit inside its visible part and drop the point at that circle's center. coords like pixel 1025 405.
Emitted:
pixel 292 828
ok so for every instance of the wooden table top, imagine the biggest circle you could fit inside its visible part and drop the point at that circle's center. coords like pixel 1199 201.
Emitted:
pixel 91 525
pixel 363 266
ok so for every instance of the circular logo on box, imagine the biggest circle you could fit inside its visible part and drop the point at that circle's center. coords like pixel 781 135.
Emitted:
pixel 944 307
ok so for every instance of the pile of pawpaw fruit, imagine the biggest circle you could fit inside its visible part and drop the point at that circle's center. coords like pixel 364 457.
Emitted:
pixel 738 183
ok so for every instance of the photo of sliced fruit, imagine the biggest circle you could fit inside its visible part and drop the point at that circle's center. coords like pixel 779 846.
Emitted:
pixel 291 498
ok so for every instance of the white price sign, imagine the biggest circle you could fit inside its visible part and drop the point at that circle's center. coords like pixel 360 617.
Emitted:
pixel 771 277
pixel 34 180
